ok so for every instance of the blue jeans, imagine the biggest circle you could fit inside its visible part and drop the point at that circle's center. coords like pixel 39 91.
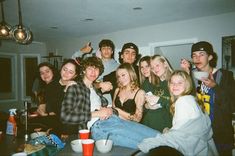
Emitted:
pixel 122 132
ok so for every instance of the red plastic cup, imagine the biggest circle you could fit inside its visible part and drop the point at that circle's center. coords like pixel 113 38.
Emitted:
pixel 87 147
pixel 84 134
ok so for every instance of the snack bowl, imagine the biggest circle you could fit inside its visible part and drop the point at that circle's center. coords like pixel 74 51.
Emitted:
pixel 37 134
pixel 76 145
pixel 103 145
pixel 19 154
pixel 200 74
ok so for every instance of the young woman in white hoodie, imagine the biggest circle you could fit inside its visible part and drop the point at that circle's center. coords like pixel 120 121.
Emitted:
pixel 191 132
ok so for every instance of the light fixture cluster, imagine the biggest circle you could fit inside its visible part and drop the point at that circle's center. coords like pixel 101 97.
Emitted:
pixel 19 33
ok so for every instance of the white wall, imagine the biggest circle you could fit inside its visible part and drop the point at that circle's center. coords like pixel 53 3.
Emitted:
pixel 210 28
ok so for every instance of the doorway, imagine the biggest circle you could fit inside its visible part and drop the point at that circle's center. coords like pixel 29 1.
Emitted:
pixel 174 50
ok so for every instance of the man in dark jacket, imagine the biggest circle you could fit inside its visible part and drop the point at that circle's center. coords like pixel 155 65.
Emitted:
pixel 217 93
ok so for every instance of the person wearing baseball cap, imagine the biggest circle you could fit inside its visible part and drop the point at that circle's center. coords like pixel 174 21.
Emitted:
pixel 217 92
pixel 204 48
pixel 129 54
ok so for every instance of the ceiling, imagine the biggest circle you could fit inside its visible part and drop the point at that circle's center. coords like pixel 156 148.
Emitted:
pixel 49 19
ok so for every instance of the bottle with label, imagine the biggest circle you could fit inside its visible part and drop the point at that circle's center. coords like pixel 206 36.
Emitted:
pixel 11 123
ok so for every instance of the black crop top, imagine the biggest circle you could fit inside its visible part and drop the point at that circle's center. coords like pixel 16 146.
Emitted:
pixel 128 106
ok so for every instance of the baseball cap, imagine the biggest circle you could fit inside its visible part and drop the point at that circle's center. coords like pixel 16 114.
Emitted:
pixel 202 46
pixel 131 46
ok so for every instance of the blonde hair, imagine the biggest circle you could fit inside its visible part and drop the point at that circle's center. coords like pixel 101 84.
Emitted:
pixel 189 89
pixel 162 59
pixel 153 79
pixel 132 74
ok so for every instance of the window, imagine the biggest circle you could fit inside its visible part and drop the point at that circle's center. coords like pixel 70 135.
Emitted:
pixel 174 50
pixel 29 63
pixel 8 85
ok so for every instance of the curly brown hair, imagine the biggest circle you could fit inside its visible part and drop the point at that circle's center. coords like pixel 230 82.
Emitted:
pixel 92 61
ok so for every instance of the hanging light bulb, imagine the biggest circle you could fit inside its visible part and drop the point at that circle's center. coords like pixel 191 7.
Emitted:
pixel 20 33
pixel 4 30
pixel 4 27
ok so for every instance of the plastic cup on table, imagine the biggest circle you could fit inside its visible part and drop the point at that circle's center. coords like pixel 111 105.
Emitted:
pixel 84 134
pixel 88 147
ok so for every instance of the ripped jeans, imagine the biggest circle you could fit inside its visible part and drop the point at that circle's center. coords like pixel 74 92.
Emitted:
pixel 123 132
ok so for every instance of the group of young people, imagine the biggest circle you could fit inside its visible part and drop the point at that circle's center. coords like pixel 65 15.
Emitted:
pixel 143 106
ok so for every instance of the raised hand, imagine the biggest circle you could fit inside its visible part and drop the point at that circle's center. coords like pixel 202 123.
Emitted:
pixel 87 48
pixel 185 65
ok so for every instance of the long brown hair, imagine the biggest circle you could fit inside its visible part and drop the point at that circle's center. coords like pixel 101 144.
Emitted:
pixel 189 90
pixel 153 79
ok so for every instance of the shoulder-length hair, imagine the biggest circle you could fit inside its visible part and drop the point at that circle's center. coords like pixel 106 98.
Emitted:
pixel 189 90
pixel 52 68
pixel 162 59
pixel 133 77
pixel 92 61
pixel 77 67
pixel 153 79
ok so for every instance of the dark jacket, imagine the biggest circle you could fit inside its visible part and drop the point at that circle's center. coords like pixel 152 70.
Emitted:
pixel 223 107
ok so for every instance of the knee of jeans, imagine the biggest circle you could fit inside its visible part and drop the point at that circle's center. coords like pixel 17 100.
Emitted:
pixel 97 134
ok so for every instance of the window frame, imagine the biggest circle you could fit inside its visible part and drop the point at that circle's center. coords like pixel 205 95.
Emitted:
pixel 14 82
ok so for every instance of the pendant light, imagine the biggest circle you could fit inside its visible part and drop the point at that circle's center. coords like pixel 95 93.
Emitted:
pixel 21 34
pixel 4 27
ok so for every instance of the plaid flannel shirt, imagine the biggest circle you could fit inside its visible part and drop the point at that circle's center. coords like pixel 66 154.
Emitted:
pixel 76 105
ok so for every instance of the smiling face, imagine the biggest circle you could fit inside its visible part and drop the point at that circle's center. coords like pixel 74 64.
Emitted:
pixel 177 85
pixel 46 74
pixel 145 69
pixel 123 77
pixel 68 72
pixel 201 60
pixel 129 56
pixel 91 73
pixel 158 67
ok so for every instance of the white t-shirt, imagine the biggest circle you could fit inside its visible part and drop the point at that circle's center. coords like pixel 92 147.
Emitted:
pixel 186 108
pixel 95 104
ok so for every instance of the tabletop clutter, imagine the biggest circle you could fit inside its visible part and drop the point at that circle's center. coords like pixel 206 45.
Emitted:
pixel 86 145
pixel 41 140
